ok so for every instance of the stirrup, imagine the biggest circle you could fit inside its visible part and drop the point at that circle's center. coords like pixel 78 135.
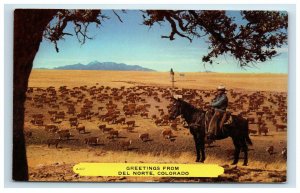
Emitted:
pixel 210 136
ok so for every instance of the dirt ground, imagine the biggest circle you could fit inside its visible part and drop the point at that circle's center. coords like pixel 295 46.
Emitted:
pixel 55 164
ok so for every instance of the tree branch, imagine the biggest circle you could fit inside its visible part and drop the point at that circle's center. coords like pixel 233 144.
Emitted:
pixel 117 16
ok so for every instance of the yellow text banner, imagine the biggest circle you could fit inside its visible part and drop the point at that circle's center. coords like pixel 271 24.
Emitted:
pixel 148 169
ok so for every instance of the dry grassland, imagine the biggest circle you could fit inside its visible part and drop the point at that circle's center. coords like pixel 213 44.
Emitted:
pixel 55 164
pixel 192 80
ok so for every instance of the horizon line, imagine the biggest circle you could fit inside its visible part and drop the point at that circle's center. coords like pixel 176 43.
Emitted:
pixel 207 72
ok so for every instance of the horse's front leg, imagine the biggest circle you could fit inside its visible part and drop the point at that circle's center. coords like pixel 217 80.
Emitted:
pixel 196 146
pixel 237 149
pixel 197 150
pixel 245 157
pixel 202 149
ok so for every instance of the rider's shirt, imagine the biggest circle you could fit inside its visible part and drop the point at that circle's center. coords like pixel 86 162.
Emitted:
pixel 220 102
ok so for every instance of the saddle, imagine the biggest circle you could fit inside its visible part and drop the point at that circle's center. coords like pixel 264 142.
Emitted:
pixel 226 119
pixel 221 121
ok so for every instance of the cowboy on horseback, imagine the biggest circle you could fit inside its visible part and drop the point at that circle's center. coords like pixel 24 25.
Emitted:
pixel 219 105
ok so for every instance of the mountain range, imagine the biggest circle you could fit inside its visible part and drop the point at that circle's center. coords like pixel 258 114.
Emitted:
pixel 103 66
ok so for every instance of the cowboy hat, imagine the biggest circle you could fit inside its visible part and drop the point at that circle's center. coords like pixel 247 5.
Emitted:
pixel 221 87
pixel 177 97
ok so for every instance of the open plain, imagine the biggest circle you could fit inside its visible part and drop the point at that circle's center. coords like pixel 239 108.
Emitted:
pixel 90 116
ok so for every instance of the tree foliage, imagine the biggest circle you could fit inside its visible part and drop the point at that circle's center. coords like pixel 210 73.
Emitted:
pixel 253 39
pixel 81 20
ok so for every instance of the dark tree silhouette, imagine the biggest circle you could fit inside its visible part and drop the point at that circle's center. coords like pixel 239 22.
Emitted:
pixel 29 28
pixel 28 31
pixel 253 41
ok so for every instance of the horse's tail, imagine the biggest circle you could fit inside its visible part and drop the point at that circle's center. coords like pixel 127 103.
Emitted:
pixel 248 140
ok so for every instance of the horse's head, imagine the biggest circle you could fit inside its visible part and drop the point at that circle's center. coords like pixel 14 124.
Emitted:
pixel 175 109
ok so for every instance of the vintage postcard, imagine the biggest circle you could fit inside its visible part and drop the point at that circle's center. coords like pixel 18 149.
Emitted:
pixel 150 96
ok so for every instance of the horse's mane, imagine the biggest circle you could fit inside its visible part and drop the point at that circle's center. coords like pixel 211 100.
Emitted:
pixel 190 106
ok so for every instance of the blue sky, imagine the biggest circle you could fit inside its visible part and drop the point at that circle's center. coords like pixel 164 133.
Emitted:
pixel 135 44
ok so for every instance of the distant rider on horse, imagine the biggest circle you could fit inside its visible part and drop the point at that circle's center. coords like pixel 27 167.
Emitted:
pixel 219 105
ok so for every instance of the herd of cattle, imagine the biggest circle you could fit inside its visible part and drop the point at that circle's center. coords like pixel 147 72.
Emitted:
pixel 51 108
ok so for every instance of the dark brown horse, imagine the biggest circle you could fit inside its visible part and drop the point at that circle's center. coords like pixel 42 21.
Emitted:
pixel 196 120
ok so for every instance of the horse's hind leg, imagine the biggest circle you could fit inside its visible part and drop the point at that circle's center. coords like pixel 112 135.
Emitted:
pixel 197 148
pixel 245 150
pixel 197 151
pixel 237 150
pixel 236 155
pixel 202 148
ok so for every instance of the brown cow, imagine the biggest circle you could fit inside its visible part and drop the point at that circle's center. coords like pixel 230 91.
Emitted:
pixel 130 123
pixel 270 149
pixel 252 131
pixel 91 141
pixel 167 133
pixel 263 129
pixel 80 128
pixel 51 128
pixel 106 129
pixel 53 142
pixel 121 121
pixel 280 126
pixel 113 134
pixel 145 115
pixel 64 134
pixel 129 129
pixel 126 144
pixel 144 137
pixel 101 127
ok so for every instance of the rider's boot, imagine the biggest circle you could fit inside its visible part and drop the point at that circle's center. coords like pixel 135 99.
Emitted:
pixel 223 117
